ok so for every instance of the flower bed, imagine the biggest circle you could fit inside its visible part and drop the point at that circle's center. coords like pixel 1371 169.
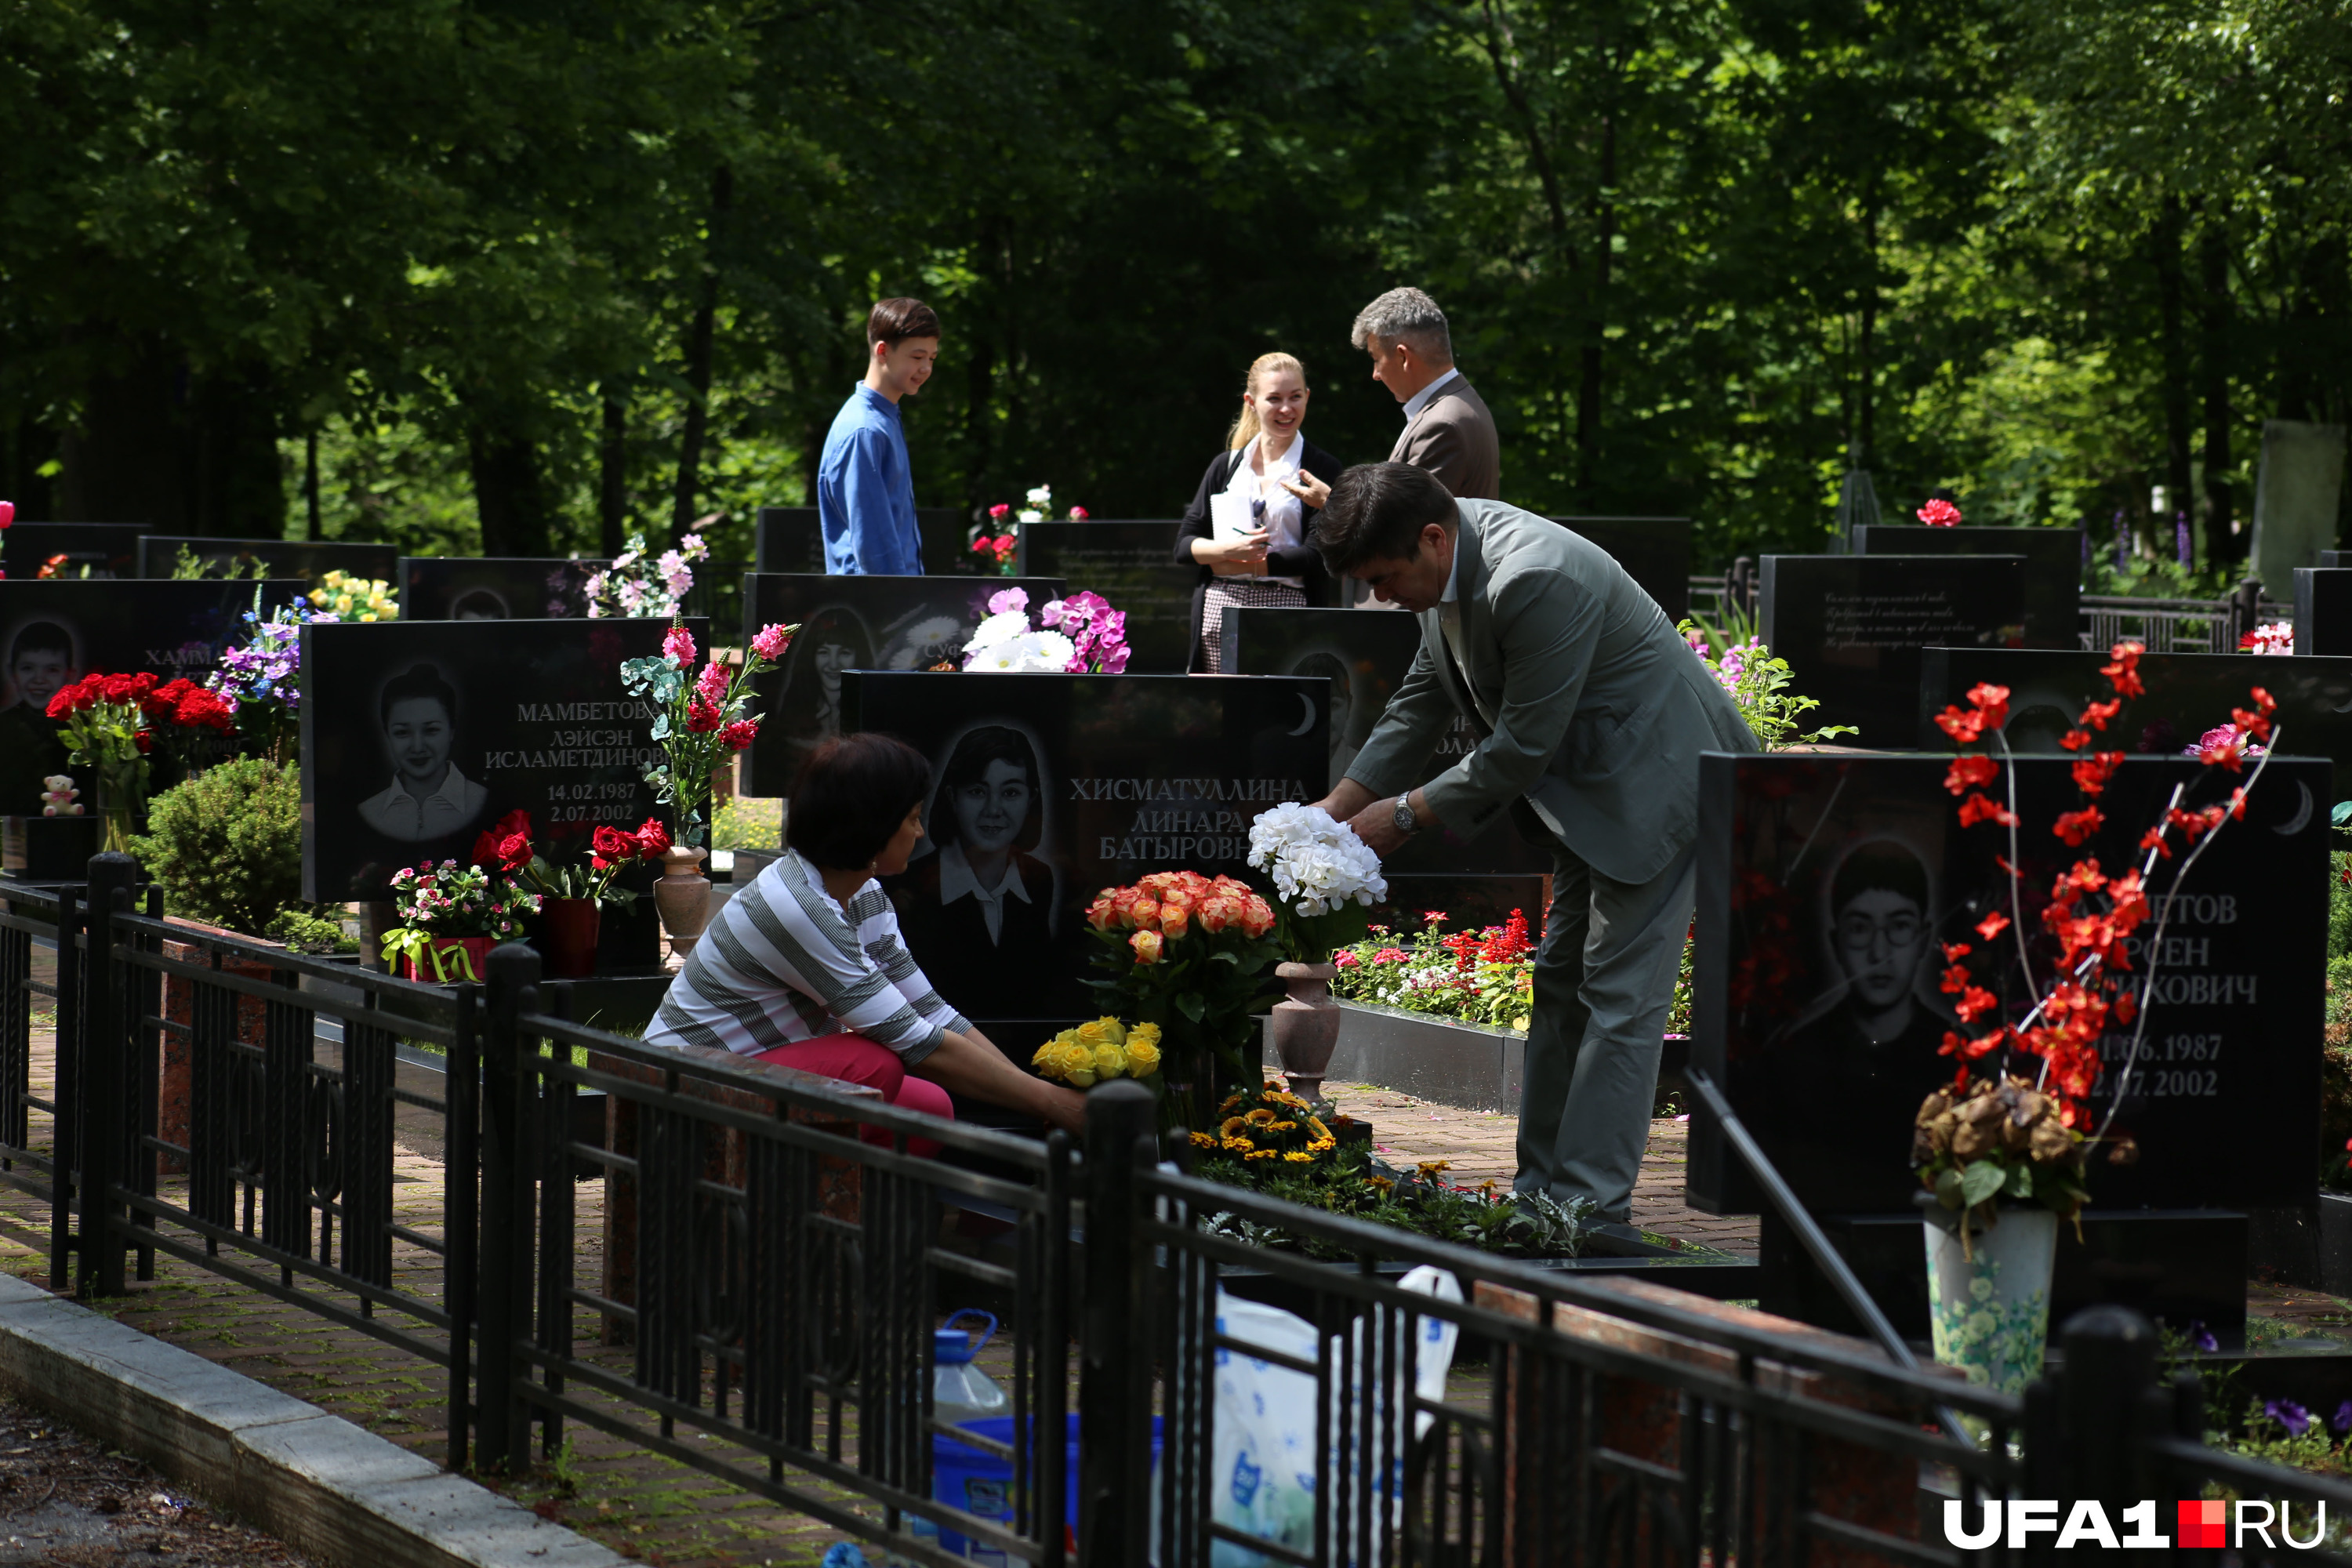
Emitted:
pixel 1486 978
pixel 1270 1143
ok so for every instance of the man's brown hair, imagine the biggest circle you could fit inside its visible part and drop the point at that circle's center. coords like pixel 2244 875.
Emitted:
pixel 895 321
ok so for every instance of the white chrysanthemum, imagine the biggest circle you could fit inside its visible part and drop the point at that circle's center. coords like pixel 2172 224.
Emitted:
pixel 997 658
pixel 1042 652
pixel 997 629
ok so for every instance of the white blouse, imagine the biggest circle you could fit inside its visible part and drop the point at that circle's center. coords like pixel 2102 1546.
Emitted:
pixel 1286 514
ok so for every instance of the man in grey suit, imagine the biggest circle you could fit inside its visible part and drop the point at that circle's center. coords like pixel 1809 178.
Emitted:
pixel 1591 713
pixel 1447 427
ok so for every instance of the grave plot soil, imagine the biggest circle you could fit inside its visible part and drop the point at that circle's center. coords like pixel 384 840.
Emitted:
pixel 67 1502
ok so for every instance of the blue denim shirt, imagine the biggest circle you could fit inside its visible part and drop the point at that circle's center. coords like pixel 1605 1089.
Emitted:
pixel 865 491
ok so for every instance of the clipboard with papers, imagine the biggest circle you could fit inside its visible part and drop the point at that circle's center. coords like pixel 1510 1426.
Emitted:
pixel 1234 512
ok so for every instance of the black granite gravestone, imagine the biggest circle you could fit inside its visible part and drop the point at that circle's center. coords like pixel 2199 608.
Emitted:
pixel 91 549
pixel 2188 694
pixel 418 734
pixel 1077 783
pixel 1654 551
pixel 1365 658
pixel 1132 564
pixel 1826 886
pixel 1851 627
pixel 2053 567
pixel 2335 558
pixel 853 623
pixel 159 556
pixel 2323 610
pixel 787 539
pixel 54 633
pixel 493 588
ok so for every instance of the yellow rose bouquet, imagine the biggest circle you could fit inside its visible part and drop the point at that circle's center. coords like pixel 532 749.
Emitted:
pixel 1099 1051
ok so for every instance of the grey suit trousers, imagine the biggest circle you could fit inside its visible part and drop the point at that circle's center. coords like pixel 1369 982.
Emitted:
pixel 1604 978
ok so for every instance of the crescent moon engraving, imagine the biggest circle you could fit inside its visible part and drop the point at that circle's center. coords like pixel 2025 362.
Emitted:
pixel 2302 819
pixel 1309 723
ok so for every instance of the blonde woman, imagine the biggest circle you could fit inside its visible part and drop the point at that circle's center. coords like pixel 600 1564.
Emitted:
pixel 1250 527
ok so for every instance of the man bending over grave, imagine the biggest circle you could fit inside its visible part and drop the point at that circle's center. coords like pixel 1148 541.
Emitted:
pixel 1591 714
pixel 806 968
pixel 865 486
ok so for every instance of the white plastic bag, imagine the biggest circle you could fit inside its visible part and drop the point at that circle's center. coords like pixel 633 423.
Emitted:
pixel 1263 1469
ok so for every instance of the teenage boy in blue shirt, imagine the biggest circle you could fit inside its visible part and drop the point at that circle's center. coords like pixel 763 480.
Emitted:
pixel 865 487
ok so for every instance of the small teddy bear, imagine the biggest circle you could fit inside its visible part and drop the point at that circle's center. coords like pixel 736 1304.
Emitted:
pixel 58 799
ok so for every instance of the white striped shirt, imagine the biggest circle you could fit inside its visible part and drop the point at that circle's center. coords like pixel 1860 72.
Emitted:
pixel 782 961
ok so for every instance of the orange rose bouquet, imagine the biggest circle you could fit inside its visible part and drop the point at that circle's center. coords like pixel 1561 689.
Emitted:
pixel 1191 954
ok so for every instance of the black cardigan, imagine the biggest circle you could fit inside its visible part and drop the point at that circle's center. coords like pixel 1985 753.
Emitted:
pixel 1300 560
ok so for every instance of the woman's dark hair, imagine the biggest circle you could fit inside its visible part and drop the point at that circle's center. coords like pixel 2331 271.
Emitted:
pixel 852 795
pixel 969 765
pixel 41 636
pixel 417 680
pixel 1377 512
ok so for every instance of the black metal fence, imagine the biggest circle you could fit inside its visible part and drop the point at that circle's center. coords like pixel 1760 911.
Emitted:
pixel 773 1260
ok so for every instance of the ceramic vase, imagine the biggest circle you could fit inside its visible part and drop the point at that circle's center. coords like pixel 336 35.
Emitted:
pixel 1306 1028
pixel 450 959
pixel 569 928
pixel 1989 1302
pixel 682 896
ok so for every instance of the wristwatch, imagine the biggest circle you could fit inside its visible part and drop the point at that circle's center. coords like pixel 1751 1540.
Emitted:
pixel 1404 813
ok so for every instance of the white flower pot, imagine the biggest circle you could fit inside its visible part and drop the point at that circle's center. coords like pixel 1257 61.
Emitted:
pixel 1990 1308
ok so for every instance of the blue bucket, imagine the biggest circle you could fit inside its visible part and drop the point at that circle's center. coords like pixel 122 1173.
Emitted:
pixel 979 1483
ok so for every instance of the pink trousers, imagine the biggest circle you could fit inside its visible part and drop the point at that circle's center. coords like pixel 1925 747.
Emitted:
pixel 854 1059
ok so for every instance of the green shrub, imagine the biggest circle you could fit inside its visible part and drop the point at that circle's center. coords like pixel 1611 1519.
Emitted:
pixel 304 932
pixel 742 824
pixel 228 844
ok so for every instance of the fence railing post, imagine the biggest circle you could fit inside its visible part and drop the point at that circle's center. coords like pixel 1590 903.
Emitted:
pixel 501 1280
pixel 105 1077
pixel 2105 1399
pixel 1114 1373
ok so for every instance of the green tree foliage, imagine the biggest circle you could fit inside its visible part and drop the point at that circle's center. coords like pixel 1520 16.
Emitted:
pixel 529 275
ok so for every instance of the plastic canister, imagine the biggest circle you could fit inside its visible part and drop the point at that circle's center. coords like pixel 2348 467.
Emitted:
pixel 977 1482
pixel 960 1392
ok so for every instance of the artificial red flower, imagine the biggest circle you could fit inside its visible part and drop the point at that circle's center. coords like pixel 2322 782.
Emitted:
pixel 701 718
pixel 1991 701
pixel 1977 1002
pixel 1982 808
pixel 1956 980
pixel 2096 714
pixel 740 735
pixel 2075 739
pixel 2077 827
pixel 1960 724
pixel 1992 925
pixel 2123 673
pixel 2223 746
pixel 1956 951
pixel 2091 773
pixel 1970 772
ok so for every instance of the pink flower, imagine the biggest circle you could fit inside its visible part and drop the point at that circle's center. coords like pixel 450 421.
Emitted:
pixel 1053 613
pixel 772 642
pixel 741 734
pixel 7 516
pixel 1939 514
pixel 712 683
pixel 1010 599
pixel 678 647
pixel 1079 514
pixel 999 511
pixel 1343 959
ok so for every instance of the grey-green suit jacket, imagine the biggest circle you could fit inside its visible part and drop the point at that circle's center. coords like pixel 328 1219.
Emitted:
pixel 1600 709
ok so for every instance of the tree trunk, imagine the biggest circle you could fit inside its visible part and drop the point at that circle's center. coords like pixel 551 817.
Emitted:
pixel 310 486
pixel 698 359
pixel 2221 533
pixel 612 469
pixel 508 496
pixel 1603 211
pixel 2173 345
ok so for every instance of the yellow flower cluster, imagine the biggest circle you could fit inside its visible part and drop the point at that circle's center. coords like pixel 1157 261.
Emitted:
pixel 350 598
pixel 1098 1052
pixel 1279 1127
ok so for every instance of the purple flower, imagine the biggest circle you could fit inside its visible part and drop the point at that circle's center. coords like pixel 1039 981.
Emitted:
pixel 2289 1415
pixel 2342 1424
pixel 2202 1337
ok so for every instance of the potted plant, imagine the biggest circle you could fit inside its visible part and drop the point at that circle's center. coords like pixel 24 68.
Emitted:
pixel 701 718
pixel 573 896
pixel 1184 952
pixel 1326 880
pixel 452 915
pixel 2003 1157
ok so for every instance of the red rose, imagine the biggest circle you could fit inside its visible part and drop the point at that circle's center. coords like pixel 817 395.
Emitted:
pixel 653 838
pixel 611 844
pixel 144 741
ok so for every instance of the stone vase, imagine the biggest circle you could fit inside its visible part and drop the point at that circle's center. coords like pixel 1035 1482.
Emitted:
pixel 682 898
pixel 1306 1028
pixel 1989 1301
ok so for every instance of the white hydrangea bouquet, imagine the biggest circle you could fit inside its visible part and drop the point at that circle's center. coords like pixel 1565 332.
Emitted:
pixel 1325 879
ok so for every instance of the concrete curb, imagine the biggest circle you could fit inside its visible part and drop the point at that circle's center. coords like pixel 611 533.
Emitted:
pixel 315 1480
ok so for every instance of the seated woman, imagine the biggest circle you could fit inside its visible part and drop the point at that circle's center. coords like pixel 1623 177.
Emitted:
pixel 805 967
